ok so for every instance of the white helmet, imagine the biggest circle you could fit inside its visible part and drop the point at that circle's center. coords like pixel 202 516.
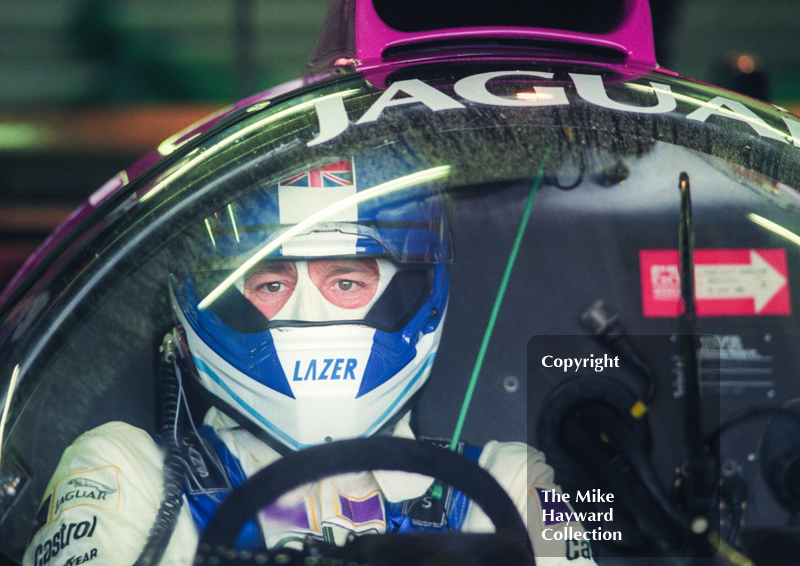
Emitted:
pixel 312 309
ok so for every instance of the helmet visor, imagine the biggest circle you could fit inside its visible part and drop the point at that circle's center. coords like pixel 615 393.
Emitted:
pixel 291 254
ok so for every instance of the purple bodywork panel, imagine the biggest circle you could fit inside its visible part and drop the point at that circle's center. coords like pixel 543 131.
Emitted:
pixel 355 36
pixel 633 36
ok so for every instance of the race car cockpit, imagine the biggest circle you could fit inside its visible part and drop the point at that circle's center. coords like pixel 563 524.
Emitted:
pixel 472 230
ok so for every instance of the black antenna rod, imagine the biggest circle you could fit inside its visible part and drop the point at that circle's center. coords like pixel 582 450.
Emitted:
pixel 702 466
pixel 687 323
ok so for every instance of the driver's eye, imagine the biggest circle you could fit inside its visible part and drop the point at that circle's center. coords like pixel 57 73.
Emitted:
pixel 346 285
pixel 268 287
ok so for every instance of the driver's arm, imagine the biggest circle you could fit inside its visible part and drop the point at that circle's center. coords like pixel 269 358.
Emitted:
pixel 101 502
pixel 523 473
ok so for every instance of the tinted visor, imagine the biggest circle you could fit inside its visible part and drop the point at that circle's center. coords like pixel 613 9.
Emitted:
pixel 299 253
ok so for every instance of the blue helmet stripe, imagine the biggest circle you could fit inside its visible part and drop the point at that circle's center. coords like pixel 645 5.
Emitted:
pixel 371 429
pixel 202 366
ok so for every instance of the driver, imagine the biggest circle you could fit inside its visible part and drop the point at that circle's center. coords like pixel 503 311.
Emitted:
pixel 305 312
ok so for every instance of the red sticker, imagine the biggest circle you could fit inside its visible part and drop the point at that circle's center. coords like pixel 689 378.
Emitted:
pixel 727 282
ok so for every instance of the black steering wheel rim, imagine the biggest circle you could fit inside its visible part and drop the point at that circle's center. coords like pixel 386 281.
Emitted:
pixel 358 455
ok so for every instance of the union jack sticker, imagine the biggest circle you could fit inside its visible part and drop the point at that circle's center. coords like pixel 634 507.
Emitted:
pixel 315 190
pixel 333 175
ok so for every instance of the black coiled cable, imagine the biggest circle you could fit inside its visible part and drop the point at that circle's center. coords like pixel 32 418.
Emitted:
pixel 170 508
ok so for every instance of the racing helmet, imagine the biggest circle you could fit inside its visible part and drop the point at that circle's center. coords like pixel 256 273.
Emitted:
pixel 311 309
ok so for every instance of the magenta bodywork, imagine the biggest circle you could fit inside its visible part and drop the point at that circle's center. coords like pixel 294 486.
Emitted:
pixel 632 37
pixel 355 39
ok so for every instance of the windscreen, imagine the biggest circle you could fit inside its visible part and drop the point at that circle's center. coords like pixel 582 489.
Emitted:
pixel 520 237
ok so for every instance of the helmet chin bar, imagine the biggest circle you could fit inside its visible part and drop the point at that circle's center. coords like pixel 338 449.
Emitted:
pixel 288 433
pixel 279 447
pixel 311 411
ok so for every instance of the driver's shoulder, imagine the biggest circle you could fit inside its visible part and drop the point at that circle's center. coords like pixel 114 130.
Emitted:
pixel 116 444
pixel 117 434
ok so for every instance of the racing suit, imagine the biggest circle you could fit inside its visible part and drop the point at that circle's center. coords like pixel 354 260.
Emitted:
pixel 104 495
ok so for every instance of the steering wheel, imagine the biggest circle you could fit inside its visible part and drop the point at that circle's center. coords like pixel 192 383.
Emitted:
pixel 364 454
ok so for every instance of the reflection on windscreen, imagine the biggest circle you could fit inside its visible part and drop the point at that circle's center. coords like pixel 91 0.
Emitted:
pixel 323 301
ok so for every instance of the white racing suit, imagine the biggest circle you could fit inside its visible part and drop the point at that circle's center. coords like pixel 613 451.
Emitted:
pixel 101 502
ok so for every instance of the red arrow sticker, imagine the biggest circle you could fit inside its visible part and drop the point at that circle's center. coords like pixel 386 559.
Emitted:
pixel 727 282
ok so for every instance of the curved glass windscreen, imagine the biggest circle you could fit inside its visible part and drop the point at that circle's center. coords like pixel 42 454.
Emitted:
pixel 605 269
